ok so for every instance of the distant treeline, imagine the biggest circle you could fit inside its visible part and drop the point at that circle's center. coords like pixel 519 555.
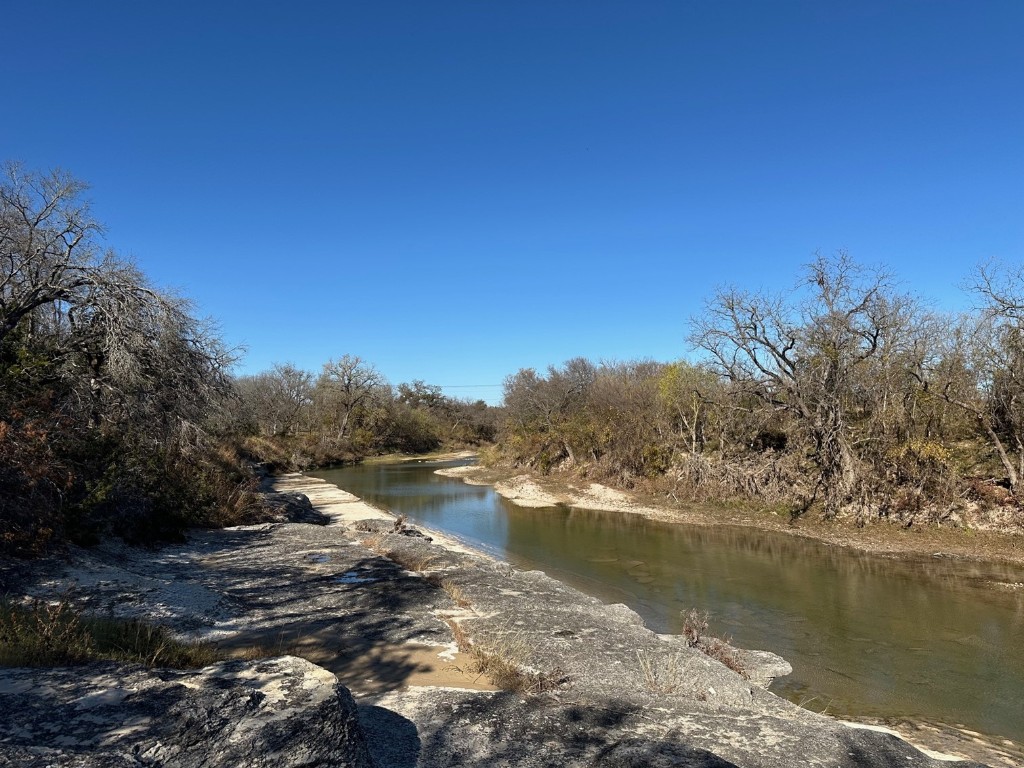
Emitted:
pixel 845 395
pixel 349 410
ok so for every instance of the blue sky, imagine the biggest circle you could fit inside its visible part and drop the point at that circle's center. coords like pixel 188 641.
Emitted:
pixel 455 190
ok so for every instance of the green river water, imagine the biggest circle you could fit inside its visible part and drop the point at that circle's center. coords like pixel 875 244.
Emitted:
pixel 930 638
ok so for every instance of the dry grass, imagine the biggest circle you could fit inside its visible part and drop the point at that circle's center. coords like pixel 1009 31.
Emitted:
pixel 502 659
pixel 410 560
pixel 455 592
pixel 661 674
pixel 45 634
pixel 462 640
pixel 413 561
pixel 695 625
pixel 720 650
pixel 376 543
pixel 450 588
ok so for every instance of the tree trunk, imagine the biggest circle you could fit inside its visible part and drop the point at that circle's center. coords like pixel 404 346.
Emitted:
pixel 836 461
pixel 1004 457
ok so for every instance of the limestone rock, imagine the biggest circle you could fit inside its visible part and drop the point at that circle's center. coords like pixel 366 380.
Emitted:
pixel 274 712
pixel 294 508
pixel 443 727
pixel 389 527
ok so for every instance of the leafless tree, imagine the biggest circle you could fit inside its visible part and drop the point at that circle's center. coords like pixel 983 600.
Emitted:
pixel 548 406
pixel 807 354
pixel 129 351
pixel 48 247
pixel 345 385
pixel 276 399
pixel 530 397
pixel 981 369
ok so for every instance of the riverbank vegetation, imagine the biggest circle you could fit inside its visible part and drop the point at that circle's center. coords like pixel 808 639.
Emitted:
pixel 846 396
pixel 119 413
pixel 110 387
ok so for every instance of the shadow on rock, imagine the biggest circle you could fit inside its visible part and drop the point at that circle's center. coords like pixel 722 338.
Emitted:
pixel 393 740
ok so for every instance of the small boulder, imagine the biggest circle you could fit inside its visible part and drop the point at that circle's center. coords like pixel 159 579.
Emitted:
pixel 396 526
pixel 293 508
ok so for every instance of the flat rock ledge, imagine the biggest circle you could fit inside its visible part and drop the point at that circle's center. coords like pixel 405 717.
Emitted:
pixel 612 692
pixel 277 712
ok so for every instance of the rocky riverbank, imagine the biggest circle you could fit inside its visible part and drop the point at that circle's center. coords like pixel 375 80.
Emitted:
pixel 413 627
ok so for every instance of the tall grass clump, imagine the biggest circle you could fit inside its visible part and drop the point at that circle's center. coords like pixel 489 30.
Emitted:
pixel 42 634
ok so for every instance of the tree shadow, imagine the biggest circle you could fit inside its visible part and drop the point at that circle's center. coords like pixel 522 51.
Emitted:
pixel 392 739
pixel 361 616
pixel 506 729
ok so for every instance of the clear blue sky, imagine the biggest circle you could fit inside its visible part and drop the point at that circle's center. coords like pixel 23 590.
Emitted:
pixel 454 190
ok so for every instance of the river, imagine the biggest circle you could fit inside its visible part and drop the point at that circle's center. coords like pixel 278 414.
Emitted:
pixel 931 639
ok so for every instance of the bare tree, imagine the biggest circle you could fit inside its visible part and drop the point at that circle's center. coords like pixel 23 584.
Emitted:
pixel 48 248
pixel 981 370
pixel 277 398
pixel 545 405
pixel 128 350
pixel 347 384
pixel 808 356
pixel 530 397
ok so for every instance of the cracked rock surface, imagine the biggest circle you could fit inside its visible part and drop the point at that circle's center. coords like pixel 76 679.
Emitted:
pixel 274 712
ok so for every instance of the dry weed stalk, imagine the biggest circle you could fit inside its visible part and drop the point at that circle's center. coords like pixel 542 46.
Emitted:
pixel 695 624
pixel 661 675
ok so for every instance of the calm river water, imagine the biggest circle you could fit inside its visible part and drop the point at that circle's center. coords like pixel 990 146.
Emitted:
pixel 927 638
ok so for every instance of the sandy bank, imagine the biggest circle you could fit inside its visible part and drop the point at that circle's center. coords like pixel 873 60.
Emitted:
pixel 533 490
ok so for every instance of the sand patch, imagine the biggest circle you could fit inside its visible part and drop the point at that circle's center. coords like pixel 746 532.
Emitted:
pixel 525 492
pixel 383 667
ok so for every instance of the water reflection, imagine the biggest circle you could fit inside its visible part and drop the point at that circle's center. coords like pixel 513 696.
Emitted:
pixel 928 637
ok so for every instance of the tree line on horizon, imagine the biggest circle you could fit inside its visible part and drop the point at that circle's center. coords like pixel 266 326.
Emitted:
pixel 119 413
pixel 349 410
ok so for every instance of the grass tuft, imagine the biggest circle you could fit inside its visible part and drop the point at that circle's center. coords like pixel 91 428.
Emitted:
pixel 665 675
pixel 413 561
pixel 450 588
pixel 43 634
pixel 502 660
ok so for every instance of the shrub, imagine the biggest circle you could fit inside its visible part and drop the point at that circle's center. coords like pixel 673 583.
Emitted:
pixel 695 625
